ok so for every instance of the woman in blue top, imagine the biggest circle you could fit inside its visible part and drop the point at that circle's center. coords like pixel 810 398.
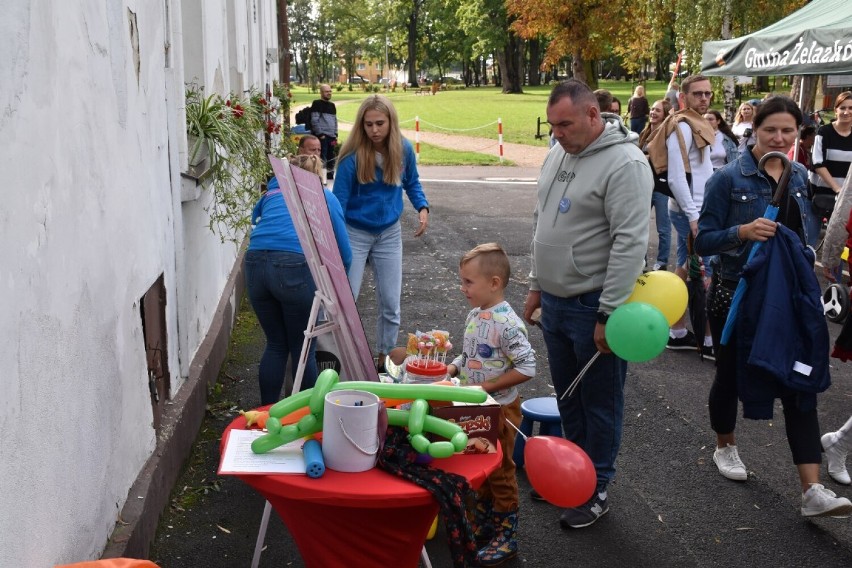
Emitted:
pixel 374 167
pixel 735 200
pixel 280 286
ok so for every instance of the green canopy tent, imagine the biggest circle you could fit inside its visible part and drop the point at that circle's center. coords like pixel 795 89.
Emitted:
pixel 815 40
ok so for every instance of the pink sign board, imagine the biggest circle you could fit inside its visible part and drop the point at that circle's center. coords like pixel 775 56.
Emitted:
pixel 305 199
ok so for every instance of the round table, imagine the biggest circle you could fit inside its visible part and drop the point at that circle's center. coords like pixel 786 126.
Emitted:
pixel 361 519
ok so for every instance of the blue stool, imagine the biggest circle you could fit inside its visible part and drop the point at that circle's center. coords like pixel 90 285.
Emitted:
pixel 542 410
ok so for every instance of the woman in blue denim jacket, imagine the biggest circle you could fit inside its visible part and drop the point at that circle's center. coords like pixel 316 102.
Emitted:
pixel 735 200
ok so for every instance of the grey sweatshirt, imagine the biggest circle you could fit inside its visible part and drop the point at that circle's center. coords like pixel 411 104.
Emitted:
pixel 591 218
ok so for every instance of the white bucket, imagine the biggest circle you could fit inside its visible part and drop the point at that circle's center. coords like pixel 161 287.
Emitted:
pixel 350 440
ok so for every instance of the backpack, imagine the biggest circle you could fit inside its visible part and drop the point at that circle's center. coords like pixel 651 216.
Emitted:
pixel 304 117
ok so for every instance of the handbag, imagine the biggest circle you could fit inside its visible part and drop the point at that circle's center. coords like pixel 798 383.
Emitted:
pixel 661 181
pixel 824 203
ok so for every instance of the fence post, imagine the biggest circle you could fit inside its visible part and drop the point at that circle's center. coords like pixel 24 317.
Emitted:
pixel 500 137
pixel 417 139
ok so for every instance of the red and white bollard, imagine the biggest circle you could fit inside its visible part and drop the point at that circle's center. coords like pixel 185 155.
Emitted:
pixel 417 139
pixel 500 137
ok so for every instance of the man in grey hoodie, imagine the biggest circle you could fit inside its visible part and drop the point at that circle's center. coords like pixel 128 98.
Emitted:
pixel 591 235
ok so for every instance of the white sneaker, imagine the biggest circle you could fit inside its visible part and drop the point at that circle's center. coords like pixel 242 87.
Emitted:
pixel 835 455
pixel 821 502
pixel 729 463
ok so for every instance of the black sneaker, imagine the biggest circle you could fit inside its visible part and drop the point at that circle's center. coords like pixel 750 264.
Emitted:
pixel 536 496
pixel 707 352
pixel 686 342
pixel 585 514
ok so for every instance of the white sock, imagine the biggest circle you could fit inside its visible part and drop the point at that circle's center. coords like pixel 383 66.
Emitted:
pixel 708 341
pixel 678 333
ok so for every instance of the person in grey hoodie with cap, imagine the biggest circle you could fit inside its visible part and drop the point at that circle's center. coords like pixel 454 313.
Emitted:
pixel 588 249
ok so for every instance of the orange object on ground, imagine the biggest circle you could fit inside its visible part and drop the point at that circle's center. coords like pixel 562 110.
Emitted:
pixel 111 563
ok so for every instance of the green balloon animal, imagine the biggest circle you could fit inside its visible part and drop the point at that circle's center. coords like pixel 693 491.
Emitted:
pixel 417 420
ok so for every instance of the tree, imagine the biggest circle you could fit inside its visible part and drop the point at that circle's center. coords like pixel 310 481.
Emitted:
pixel 302 37
pixel 413 18
pixel 488 24
pixel 696 21
pixel 442 44
pixel 584 29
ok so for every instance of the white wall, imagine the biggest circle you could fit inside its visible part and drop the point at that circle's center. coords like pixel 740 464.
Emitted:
pixel 90 138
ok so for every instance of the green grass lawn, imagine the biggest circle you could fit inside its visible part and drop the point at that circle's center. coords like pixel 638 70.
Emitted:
pixel 474 111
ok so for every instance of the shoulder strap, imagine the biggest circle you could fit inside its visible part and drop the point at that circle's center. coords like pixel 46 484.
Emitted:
pixel 683 153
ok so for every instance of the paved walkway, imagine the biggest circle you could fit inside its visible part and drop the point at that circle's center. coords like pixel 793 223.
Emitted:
pixel 519 154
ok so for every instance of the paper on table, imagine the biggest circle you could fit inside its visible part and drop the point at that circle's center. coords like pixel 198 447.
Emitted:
pixel 239 459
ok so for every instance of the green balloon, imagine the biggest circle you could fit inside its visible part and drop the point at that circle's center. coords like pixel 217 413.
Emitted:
pixel 637 332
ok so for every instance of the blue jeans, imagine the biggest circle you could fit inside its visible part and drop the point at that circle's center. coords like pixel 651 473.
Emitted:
pixel 385 254
pixel 660 203
pixel 638 124
pixel 281 291
pixel 681 225
pixel 593 416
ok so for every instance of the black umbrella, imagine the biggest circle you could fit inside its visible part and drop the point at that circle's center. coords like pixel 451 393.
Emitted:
pixel 697 304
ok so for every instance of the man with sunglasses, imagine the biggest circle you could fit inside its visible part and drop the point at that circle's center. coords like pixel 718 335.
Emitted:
pixel 691 135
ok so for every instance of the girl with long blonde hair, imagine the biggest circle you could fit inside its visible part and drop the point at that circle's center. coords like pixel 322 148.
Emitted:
pixel 742 127
pixel 376 164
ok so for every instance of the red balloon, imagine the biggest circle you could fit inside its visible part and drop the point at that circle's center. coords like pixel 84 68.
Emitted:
pixel 559 470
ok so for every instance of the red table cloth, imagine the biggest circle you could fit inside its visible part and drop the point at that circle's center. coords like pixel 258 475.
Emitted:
pixel 361 519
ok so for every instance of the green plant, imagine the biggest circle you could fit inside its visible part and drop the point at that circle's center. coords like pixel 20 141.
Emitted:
pixel 232 130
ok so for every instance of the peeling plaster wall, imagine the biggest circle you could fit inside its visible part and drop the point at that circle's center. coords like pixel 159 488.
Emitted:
pixel 91 215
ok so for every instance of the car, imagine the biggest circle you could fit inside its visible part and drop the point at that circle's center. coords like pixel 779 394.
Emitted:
pixel 357 79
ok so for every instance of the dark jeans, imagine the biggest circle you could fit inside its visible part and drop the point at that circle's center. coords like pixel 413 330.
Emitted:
pixel 327 144
pixel 638 124
pixel 802 428
pixel 281 291
pixel 593 416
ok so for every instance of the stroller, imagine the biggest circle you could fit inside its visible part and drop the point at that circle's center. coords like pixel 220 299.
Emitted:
pixel 835 298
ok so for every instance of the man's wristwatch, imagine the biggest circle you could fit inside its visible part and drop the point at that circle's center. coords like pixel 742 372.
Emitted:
pixel 602 317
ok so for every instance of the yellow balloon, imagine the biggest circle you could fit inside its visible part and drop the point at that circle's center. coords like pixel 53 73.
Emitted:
pixel 664 290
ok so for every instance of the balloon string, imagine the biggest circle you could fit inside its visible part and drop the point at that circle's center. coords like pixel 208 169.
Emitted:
pixel 516 429
pixel 570 390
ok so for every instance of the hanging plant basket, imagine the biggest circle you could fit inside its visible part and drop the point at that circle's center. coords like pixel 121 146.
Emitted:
pixel 198 150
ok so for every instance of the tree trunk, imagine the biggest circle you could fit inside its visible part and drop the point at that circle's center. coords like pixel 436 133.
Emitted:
pixel 809 92
pixel 497 70
pixel 510 66
pixel 728 86
pixel 592 78
pixel 534 79
pixel 578 67
pixel 283 46
pixel 412 43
